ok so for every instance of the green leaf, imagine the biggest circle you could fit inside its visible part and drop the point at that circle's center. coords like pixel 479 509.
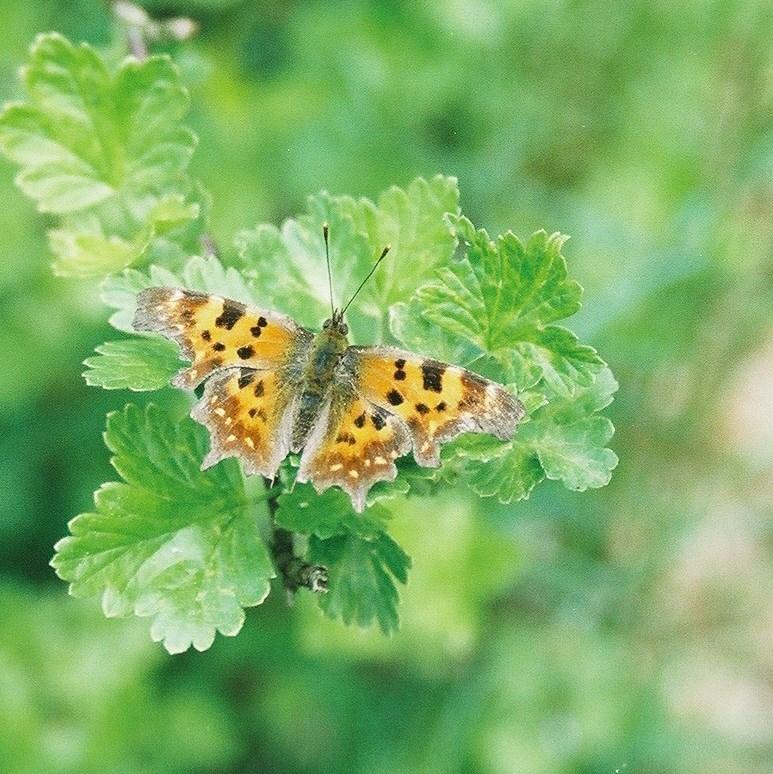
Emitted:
pixel 170 541
pixel 362 573
pixel 134 364
pixel 502 299
pixel 564 440
pixel 106 151
pixel 327 514
pixel 287 265
pixel 413 223
pixel 84 251
pixel 87 137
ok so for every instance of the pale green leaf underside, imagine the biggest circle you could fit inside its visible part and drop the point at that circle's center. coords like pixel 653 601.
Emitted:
pixel 133 364
pixel 170 542
pixel 86 136
pixel 105 151
pixel 85 251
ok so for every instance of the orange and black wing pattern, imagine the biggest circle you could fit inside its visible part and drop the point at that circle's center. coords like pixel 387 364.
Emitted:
pixel 215 332
pixel 435 400
pixel 354 445
pixel 249 415
pixel 253 362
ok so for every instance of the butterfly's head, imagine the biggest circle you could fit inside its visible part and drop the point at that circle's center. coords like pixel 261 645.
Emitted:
pixel 336 324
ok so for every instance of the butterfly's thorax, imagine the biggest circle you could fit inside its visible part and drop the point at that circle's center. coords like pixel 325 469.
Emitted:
pixel 325 355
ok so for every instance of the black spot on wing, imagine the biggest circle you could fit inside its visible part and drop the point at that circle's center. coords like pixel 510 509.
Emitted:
pixel 232 313
pixel 441 406
pixel 259 389
pixel 378 421
pixel 256 331
pixel 245 378
pixel 246 352
pixel 206 335
pixel 218 346
pixel 394 397
pixel 432 375
pixel 360 421
pixel 422 408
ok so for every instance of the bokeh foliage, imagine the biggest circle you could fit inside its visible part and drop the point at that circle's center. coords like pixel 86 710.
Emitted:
pixel 625 627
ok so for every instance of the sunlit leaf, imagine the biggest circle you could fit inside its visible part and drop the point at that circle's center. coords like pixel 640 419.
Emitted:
pixel 170 541
pixel 134 364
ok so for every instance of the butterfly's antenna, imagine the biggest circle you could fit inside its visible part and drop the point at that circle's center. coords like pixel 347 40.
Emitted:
pixel 325 230
pixel 370 274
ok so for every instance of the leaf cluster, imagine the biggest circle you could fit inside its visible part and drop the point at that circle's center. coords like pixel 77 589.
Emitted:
pixel 107 153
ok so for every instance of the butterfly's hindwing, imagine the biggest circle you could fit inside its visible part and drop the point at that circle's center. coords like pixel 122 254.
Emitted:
pixel 353 445
pixel 215 332
pixel 437 401
pixel 249 415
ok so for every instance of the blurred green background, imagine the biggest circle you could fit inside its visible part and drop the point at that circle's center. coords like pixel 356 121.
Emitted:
pixel 622 630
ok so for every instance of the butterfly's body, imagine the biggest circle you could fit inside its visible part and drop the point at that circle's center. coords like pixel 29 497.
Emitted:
pixel 273 387
pixel 324 357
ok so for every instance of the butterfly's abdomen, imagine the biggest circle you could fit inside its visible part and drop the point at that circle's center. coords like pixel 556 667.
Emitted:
pixel 326 353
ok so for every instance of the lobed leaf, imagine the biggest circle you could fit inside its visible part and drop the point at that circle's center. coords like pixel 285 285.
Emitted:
pixel 502 300
pixel 564 440
pixel 169 541
pixel 325 515
pixel 86 136
pixel 104 150
pixel 362 572
pixel 287 265
pixel 138 364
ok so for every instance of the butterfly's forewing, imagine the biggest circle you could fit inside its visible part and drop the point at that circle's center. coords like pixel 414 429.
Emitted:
pixel 253 361
pixel 437 401
pixel 353 445
pixel 216 333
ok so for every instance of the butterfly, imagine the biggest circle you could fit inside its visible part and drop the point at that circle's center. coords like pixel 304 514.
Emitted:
pixel 272 387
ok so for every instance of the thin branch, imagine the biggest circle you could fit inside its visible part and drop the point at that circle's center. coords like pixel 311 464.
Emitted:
pixel 295 572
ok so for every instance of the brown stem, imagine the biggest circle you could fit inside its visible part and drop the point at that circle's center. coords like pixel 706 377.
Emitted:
pixel 295 572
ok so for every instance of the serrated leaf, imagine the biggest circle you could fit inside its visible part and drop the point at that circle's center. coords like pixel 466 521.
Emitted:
pixel 503 299
pixel 106 151
pixel 170 541
pixel 83 250
pixel 327 514
pixel 362 573
pixel 564 440
pixel 287 265
pixel 413 223
pixel 87 137
pixel 135 364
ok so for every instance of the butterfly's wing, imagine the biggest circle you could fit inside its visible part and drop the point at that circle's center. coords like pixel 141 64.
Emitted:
pixel 354 443
pixel 215 332
pixel 385 401
pixel 435 400
pixel 253 361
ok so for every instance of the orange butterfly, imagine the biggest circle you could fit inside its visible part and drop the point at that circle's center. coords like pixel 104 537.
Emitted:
pixel 274 387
